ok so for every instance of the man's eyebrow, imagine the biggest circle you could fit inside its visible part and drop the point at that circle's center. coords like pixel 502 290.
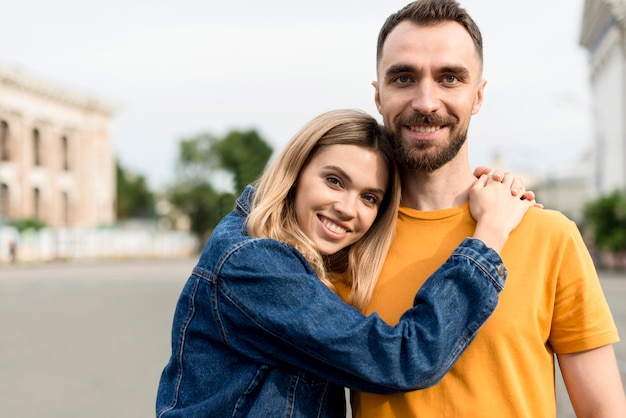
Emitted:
pixel 396 69
pixel 399 69
pixel 455 69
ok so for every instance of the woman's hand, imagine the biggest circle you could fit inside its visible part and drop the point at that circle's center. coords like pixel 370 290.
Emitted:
pixel 498 207
pixel 516 186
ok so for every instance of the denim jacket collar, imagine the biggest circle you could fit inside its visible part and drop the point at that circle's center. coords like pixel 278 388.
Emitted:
pixel 244 201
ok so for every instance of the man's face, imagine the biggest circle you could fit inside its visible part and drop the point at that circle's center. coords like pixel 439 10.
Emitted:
pixel 429 85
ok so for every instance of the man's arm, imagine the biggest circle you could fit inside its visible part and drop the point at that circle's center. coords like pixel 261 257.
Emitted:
pixel 593 383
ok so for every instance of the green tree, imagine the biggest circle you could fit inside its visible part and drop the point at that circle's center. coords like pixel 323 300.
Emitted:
pixel 134 198
pixel 205 165
pixel 244 154
pixel 607 218
pixel 28 223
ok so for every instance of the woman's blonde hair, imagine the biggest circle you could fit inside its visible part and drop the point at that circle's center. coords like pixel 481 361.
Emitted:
pixel 273 214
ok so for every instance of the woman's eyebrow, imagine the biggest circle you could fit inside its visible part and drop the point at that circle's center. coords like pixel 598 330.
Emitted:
pixel 349 179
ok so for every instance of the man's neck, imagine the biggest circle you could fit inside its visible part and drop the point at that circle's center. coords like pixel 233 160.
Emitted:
pixel 444 188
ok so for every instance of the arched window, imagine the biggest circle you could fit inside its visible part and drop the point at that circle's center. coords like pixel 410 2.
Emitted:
pixel 66 208
pixel 4 142
pixel 65 153
pixel 4 202
pixel 36 147
pixel 36 203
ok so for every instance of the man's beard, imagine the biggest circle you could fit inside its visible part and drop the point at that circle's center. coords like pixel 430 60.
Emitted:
pixel 425 156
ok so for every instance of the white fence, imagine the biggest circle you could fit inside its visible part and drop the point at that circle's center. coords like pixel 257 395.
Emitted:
pixel 64 244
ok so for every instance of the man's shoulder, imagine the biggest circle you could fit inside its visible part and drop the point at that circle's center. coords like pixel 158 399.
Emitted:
pixel 546 216
pixel 547 222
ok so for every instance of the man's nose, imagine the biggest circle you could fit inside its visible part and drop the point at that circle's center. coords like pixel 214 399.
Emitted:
pixel 426 100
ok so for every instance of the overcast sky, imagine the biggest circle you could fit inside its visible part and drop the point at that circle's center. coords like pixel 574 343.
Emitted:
pixel 178 68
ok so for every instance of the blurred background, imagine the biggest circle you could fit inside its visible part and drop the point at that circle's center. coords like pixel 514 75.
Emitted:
pixel 152 115
pixel 127 128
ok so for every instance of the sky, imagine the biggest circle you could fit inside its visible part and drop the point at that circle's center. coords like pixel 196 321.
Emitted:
pixel 174 69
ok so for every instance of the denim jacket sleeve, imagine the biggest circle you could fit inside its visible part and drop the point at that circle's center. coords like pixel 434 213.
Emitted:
pixel 279 313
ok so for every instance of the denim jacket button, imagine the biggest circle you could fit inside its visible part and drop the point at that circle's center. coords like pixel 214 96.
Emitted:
pixel 501 270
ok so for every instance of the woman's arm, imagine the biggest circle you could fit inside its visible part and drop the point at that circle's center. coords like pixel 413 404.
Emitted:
pixel 280 314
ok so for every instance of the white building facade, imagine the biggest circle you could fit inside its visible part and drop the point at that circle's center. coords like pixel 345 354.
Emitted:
pixel 57 163
pixel 603 34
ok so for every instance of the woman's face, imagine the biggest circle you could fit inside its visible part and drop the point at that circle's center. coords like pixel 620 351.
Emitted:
pixel 338 194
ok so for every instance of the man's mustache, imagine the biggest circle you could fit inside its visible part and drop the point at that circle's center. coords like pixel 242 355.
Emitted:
pixel 420 119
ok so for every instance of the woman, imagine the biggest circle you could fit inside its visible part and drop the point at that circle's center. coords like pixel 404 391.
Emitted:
pixel 258 329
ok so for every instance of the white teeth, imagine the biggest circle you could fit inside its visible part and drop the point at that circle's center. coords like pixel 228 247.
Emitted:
pixel 333 227
pixel 425 129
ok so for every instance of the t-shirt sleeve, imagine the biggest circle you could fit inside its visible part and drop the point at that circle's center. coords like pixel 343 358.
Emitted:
pixel 582 319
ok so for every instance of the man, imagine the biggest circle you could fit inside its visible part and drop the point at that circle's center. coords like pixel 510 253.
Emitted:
pixel 429 84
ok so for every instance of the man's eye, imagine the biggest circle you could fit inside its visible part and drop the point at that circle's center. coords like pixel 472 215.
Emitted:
pixel 450 79
pixel 403 79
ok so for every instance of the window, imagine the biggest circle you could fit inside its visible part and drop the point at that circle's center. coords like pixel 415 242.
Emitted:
pixel 66 208
pixel 36 204
pixel 36 147
pixel 4 202
pixel 4 142
pixel 65 153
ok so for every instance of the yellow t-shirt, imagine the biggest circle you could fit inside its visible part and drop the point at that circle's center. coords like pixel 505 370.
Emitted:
pixel 552 302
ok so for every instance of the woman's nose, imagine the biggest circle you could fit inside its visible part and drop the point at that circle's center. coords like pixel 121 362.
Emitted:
pixel 346 205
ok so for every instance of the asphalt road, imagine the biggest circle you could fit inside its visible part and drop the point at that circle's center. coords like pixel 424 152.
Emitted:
pixel 89 340
pixel 85 340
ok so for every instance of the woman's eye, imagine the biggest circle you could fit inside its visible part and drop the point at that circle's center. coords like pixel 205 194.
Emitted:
pixel 333 180
pixel 371 199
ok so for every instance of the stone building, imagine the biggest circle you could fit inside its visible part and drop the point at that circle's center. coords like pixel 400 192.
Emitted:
pixel 603 34
pixel 56 155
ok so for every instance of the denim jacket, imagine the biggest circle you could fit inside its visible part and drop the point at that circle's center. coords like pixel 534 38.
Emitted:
pixel 257 334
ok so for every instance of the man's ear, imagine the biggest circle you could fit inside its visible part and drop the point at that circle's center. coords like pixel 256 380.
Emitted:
pixel 376 95
pixel 478 100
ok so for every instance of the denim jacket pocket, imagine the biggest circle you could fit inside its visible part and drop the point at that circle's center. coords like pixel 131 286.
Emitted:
pixel 307 396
